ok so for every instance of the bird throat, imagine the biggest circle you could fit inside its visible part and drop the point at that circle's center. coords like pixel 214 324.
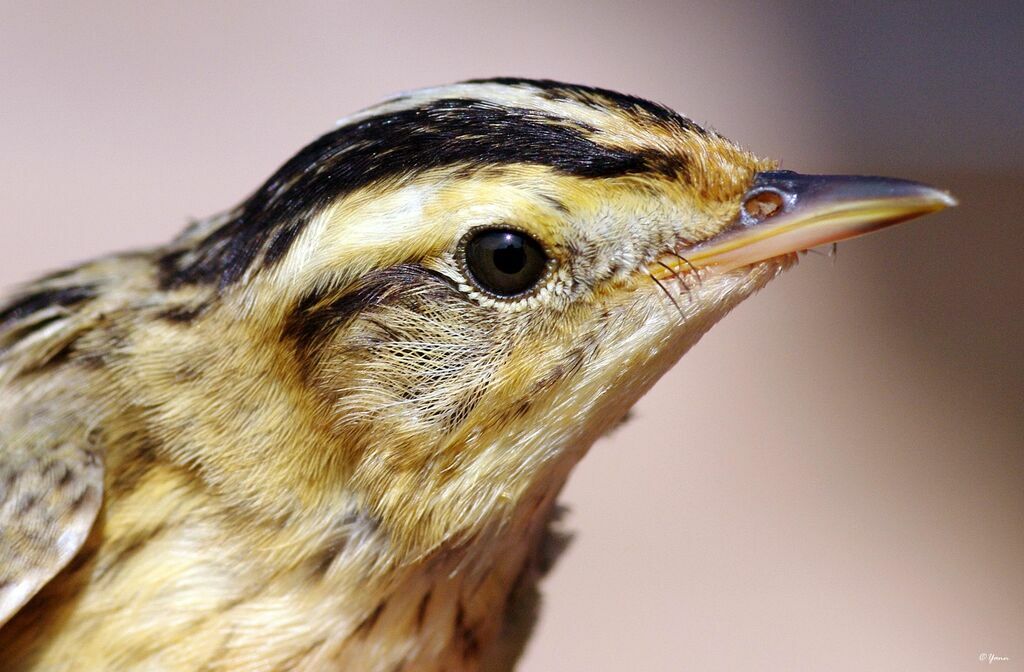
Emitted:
pixel 470 607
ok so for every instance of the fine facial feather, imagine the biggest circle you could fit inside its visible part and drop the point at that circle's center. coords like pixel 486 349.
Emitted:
pixel 324 444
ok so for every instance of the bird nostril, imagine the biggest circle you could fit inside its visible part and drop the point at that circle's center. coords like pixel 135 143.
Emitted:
pixel 763 204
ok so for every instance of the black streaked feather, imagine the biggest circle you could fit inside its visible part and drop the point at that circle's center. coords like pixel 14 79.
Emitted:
pixel 598 97
pixel 32 303
pixel 395 146
pixel 321 312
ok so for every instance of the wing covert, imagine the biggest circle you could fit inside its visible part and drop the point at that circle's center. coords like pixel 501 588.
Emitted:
pixel 51 488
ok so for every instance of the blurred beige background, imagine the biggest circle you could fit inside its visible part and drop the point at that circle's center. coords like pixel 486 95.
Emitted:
pixel 834 478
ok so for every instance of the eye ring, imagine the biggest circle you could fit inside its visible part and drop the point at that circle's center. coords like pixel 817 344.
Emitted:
pixel 503 262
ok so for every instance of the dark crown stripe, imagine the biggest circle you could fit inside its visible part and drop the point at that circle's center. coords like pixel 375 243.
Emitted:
pixel 599 98
pixel 34 302
pixel 391 146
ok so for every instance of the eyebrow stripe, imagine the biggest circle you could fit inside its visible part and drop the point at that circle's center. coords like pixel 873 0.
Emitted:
pixel 395 145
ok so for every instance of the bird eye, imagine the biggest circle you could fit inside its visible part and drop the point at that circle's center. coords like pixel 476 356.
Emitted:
pixel 504 262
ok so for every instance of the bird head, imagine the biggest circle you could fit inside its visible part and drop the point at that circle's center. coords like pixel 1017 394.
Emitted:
pixel 436 308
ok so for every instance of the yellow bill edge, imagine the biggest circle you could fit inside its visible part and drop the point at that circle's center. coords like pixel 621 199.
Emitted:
pixel 786 212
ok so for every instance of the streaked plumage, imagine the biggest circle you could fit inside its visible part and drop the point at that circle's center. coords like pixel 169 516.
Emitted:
pixel 318 440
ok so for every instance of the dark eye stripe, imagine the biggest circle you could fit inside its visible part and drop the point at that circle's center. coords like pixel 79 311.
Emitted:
pixel 323 311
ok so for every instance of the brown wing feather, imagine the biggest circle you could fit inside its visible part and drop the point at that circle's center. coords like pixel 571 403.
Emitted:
pixel 51 471
pixel 51 485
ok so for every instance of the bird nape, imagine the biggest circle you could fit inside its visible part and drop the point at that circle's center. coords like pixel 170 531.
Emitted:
pixel 326 429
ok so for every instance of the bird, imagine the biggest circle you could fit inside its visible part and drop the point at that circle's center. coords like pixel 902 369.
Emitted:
pixel 327 429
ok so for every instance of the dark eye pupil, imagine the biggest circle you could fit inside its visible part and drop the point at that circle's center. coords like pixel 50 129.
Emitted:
pixel 511 258
pixel 504 262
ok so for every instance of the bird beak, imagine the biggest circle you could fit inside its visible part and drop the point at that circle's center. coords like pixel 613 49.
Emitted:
pixel 785 212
